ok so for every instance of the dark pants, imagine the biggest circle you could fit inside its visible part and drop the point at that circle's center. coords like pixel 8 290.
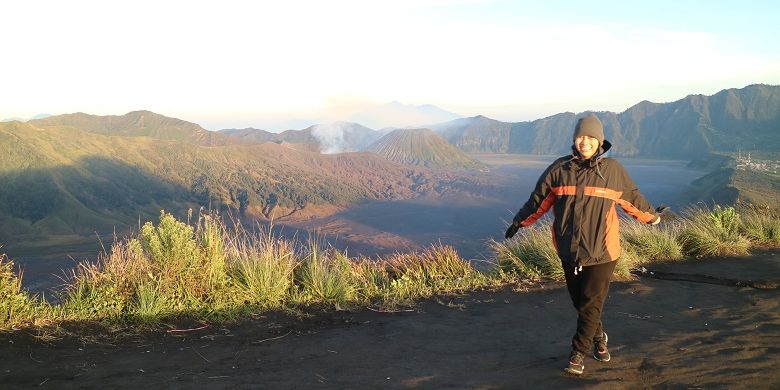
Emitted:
pixel 588 291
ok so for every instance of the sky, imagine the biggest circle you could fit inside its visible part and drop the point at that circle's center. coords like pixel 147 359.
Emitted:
pixel 276 64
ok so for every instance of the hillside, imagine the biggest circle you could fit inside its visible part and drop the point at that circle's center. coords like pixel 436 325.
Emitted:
pixel 251 134
pixel 758 188
pixel 422 147
pixel 728 182
pixel 62 180
pixel 747 119
pixel 137 124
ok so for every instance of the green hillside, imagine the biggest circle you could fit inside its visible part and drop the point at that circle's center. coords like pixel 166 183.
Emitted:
pixel 61 180
pixel 729 182
pixel 138 124
pixel 251 134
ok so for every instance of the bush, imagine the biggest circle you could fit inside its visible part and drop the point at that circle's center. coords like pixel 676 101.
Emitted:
pixel 170 268
pixel 174 255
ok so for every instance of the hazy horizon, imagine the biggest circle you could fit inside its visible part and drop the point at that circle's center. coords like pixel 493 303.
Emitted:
pixel 281 65
pixel 299 123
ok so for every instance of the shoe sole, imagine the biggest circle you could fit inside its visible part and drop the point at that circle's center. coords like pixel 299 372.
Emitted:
pixel 572 371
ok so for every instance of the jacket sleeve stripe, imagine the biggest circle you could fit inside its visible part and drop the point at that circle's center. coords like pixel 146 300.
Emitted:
pixel 543 207
pixel 635 212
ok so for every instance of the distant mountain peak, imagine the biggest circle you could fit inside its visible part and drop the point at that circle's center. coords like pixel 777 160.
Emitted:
pixel 398 115
pixel 422 147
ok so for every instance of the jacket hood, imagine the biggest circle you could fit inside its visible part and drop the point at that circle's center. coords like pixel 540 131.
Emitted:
pixel 603 149
pixel 594 160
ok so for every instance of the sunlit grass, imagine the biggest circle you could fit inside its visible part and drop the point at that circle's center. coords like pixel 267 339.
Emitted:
pixel 326 276
pixel 261 267
pixel 211 272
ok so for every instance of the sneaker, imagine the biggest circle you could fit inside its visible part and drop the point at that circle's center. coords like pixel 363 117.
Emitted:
pixel 576 363
pixel 600 350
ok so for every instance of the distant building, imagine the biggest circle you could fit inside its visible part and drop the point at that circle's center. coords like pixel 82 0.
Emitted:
pixel 746 163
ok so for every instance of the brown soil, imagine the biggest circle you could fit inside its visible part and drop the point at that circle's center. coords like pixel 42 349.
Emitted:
pixel 668 334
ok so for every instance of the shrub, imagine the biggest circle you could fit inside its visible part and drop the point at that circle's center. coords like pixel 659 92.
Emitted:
pixel 725 220
pixel 169 269
pixel 173 252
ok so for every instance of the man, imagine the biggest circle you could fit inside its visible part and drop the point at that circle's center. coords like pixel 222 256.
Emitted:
pixel 583 189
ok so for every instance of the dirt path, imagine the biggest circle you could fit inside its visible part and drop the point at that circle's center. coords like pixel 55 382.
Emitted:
pixel 668 334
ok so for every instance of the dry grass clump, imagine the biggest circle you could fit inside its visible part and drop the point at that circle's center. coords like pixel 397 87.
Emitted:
pixel 17 307
pixel 713 233
pixel 761 226
pixel 529 255
pixel 644 244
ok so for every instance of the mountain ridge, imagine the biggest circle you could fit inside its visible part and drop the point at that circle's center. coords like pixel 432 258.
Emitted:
pixel 141 123
pixel 689 127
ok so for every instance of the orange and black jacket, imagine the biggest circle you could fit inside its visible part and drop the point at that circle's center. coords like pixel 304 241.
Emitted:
pixel 583 195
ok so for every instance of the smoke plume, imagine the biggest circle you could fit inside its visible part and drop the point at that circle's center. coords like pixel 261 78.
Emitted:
pixel 331 138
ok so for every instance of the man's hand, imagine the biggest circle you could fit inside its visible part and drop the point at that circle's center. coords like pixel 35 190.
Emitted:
pixel 513 228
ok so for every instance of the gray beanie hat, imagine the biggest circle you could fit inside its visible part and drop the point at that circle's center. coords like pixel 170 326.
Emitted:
pixel 590 126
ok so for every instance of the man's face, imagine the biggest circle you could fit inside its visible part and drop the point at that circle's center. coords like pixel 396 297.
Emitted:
pixel 586 145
